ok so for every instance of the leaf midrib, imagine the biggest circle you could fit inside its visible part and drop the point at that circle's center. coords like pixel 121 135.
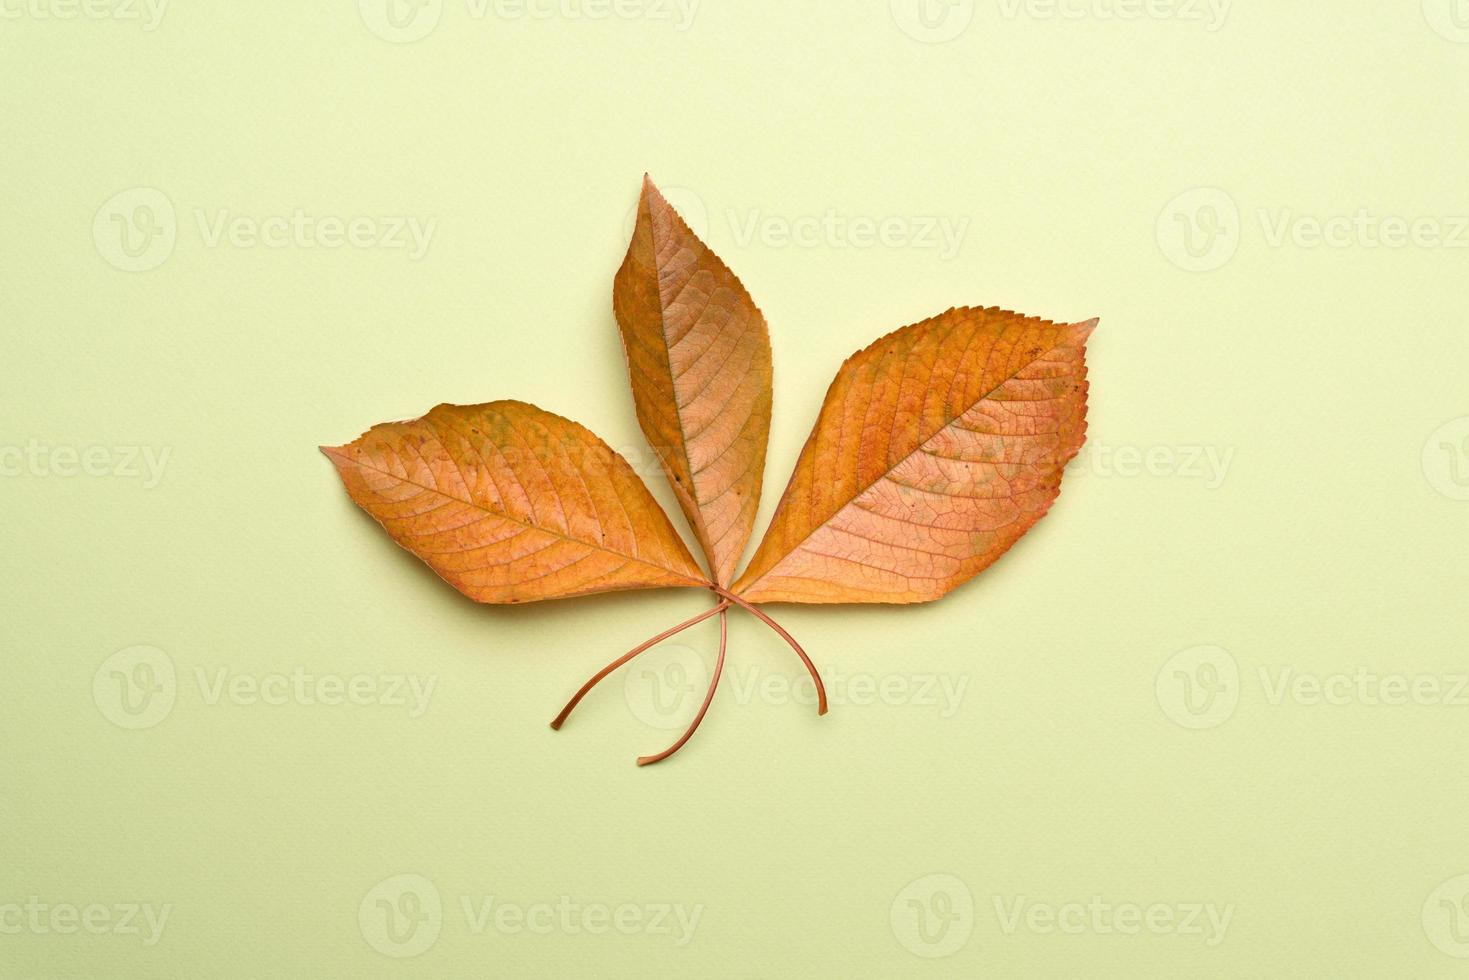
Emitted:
pixel 700 527
pixel 525 524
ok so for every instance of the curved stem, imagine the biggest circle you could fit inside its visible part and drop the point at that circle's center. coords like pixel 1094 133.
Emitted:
pixel 760 614
pixel 576 698
pixel 648 760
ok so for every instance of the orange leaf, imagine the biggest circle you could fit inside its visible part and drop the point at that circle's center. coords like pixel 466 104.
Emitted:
pixel 937 447
pixel 698 355
pixel 509 503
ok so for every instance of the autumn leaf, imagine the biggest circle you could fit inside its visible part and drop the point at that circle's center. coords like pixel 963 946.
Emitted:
pixel 698 356
pixel 509 503
pixel 936 448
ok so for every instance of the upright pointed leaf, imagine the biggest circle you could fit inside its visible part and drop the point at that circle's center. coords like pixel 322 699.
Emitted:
pixel 936 448
pixel 509 503
pixel 698 355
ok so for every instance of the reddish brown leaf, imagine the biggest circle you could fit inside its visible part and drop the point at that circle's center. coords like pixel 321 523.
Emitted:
pixel 936 448
pixel 698 355
pixel 509 503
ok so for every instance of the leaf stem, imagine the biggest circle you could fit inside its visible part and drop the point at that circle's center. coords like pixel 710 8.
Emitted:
pixel 576 698
pixel 761 615
pixel 648 760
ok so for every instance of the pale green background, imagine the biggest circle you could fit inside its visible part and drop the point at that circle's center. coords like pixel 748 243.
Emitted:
pixel 1326 548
